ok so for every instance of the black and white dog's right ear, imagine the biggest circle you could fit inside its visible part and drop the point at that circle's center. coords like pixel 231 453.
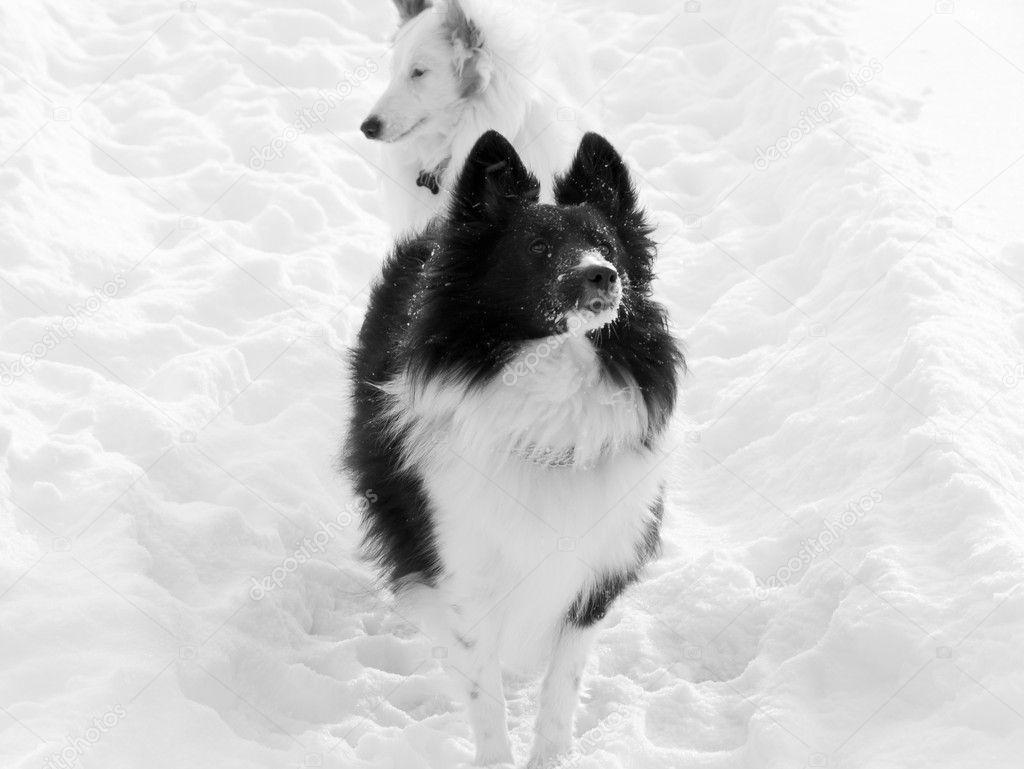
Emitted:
pixel 492 182
pixel 407 9
pixel 598 176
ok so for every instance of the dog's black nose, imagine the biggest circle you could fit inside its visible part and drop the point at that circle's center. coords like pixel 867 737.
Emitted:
pixel 600 287
pixel 371 127
pixel 600 276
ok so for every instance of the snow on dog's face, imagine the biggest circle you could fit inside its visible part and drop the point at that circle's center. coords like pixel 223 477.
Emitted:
pixel 551 269
pixel 437 62
pixel 519 270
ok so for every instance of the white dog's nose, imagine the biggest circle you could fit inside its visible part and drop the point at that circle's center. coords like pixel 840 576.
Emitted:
pixel 372 127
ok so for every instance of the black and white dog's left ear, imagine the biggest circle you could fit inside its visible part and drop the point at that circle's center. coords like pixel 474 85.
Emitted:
pixel 598 176
pixel 492 182
pixel 407 9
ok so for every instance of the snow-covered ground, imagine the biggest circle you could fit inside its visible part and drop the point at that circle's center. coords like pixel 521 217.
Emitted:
pixel 181 270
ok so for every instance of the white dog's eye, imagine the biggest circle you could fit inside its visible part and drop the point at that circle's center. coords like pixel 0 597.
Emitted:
pixel 417 72
pixel 604 249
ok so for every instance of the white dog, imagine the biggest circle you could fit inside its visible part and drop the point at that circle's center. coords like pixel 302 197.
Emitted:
pixel 460 69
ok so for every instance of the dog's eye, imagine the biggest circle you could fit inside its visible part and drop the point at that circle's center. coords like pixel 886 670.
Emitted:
pixel 539 246
pixel 418 73
pixel 604 249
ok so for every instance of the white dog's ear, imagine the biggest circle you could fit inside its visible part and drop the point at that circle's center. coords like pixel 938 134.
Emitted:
pixel 471 62
pixel 407 9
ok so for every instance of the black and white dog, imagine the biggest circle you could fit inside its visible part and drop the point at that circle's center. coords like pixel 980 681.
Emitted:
pixel 513 384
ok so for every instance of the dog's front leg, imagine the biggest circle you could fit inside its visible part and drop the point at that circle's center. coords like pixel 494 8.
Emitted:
pixel 473 663
pixel 560 694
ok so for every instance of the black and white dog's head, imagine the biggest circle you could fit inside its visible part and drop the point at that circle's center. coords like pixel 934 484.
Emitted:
pixel 505 269
pixel 548 268
pixel 514 269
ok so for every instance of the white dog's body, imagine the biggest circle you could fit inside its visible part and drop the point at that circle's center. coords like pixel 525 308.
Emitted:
pixel 460 69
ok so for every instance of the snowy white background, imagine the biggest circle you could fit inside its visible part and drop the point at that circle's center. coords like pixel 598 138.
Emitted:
pixel 174 321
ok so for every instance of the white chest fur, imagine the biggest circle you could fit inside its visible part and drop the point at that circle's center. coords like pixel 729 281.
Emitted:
pixel 521 535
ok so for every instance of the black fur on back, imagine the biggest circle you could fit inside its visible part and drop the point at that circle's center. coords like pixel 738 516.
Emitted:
pixel 461 299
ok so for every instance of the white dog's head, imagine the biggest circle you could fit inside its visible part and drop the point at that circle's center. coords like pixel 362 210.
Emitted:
pixel 439 61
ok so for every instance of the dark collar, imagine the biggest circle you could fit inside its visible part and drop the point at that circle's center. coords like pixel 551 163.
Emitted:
pixel 432 179
pixel 429 179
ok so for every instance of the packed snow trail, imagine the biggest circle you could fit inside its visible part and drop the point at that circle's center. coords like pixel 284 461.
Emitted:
pixel 836 187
